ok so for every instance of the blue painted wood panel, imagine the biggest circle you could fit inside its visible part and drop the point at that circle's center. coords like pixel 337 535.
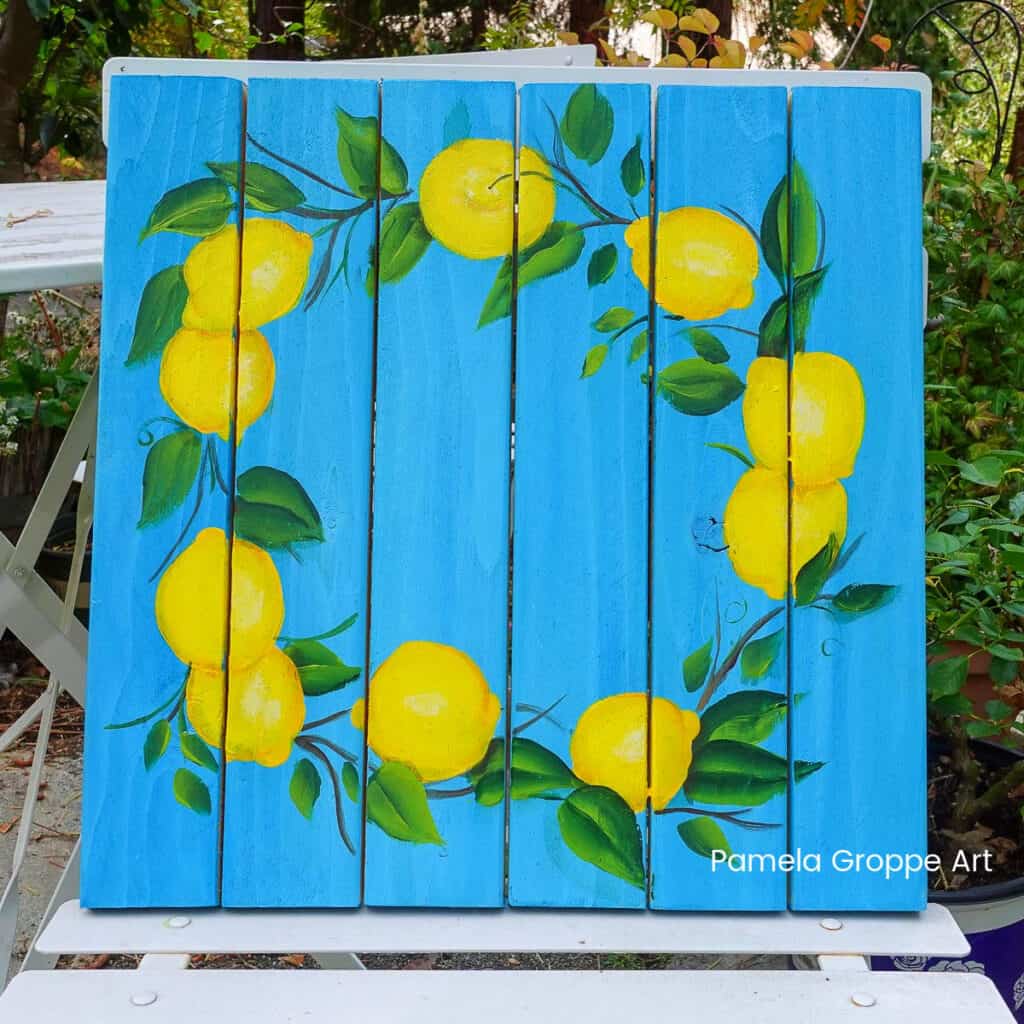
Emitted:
pixel 719 536
pixel 154 499
pixel 439 586
pixel 858 654
pixel 303 472
pixel 579 599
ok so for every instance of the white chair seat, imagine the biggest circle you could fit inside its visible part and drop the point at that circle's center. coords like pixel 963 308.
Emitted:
pixel 499 997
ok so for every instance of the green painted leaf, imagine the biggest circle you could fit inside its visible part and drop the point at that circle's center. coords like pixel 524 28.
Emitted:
pixel 196 751
pixel 704 836
pixel 556 250
pixel 947 677
pixel 696 667
pixel 587 124
pixel 304 788
pixel 594 360
pixel 696 387
pixel 457 124
pixel 266 190
pixel 357 157
pixel 159 317
pixel 758 656
pixel 350 781
pixel 749 716
pixel 198 208
pixel 740 774
pixel 190 791
pixel 614 319
pixel 811 578
pixel 274 510
pixel 805 291
pixel 734 452
pixel 632 171
pixel 170 471
pixel 775 229
pixel 157 738
pixel 600 828
pixel 707 345
pixel 859 598
pixel 639 346
pixel 320 669
pixel 602 264
pixel 396 802
pixel 535 772
pixel 773 333
pixel 403 241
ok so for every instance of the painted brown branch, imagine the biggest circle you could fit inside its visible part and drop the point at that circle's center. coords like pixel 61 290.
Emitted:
pixel 304 743
pixel 732 657
pixel 447 794
pixel 305 171
pixel 331 745
pixel 537 717
pixel 316 723
pixel 733 817
pixel 601 211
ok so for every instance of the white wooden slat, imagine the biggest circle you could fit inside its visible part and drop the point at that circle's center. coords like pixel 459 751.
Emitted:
pixel 500 997
pixel 74 930
pixel 51 234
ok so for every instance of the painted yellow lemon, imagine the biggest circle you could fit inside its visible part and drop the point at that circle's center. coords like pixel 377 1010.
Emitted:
pixel 192 602
pixel 706 261
pixel 197 379
pixel 275 265
pixel 827 418
pixel 430 708
pixel 266 709
pixel 467 192
pixel 755 526
pixel 609 747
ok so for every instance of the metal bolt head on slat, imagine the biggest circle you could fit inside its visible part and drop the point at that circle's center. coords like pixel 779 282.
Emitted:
pixel 863 999
pixel 831 924
pixel 146 998
pixel 179 921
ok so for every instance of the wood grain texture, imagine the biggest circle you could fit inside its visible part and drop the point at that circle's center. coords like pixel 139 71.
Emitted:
pixel 863 674
pixel 440 526
pixel 163 130
pixel 316 431
pixel 579 611
pixel 702 609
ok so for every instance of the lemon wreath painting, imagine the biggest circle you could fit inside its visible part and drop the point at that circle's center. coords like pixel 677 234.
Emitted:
pixel 429 715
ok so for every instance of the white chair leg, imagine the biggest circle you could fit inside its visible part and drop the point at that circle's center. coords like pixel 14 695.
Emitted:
pixel 21 724
pixel 67 889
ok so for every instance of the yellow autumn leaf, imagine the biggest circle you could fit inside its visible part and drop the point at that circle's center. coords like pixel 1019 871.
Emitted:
pixel 688 23
pixel 826 65
pixel 851 8
pixel 882 42
pixel 717 62
pixel 661 18
pixel 737 54
pixel 794 50
pixel 709 19
pixel 809 12
pixel 608 52
pixel 569 38
pixel 674 60
pixel 688 46
pixel 700 62
pixel 754 43
pixel 802 38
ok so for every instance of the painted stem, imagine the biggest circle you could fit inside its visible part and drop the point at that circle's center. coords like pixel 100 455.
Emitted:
pixel 731 816
pixel 306 744
pixel 188 523
pixel 732 657
pixel 316 723
pixel 298 167
pixel 447 794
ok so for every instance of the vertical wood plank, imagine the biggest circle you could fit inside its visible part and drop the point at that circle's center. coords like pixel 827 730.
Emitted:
pixel 719 537
pixel 438 642
pixel 303 472
pixel 579 596
pixel 153 498
pixel 858 653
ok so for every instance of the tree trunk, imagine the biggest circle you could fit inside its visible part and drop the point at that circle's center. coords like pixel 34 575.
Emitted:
pixel 1015 165
pixel 583 14
pixel 20 36
pixel 268 19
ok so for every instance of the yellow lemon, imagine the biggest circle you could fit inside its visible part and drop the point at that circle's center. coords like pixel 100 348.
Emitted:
pixel 755 526
pixel 706 262
pixel 826 421
pixel 609 747
pixel 266 708
pixel 275 264
pixel 192 601
pixel 430 708
pixel 197 379
pixel 467 192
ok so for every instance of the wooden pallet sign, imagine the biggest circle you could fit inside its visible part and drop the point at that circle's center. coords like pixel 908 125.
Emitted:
pixel 487 554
